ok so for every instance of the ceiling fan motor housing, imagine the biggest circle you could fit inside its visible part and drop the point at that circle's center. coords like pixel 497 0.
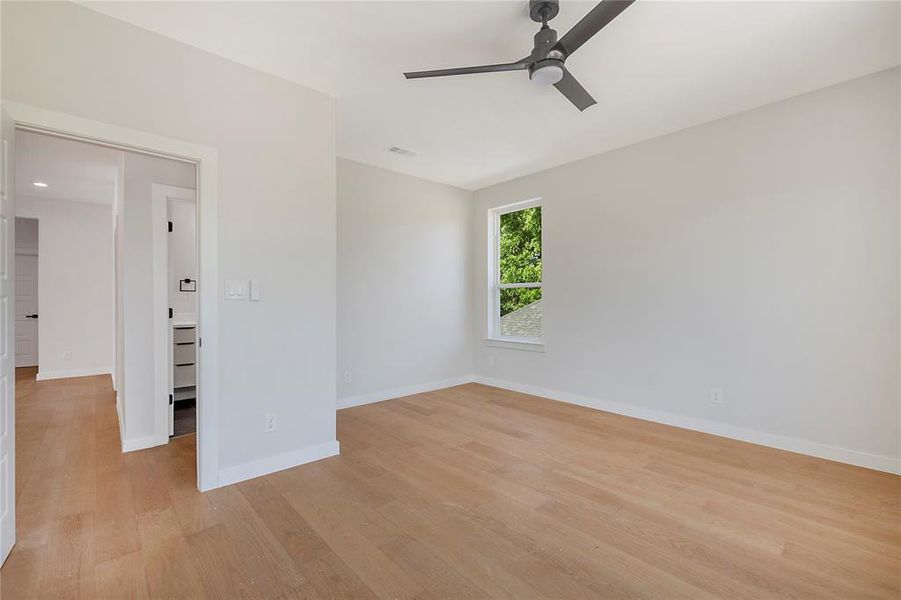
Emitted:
pixel 544 42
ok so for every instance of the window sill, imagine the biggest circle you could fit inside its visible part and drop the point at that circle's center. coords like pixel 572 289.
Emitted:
pixel 515 344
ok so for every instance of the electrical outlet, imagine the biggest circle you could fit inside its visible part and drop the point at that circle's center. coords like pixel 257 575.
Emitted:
pixel 348 377
pixel 67 355
pixel 490 361
pixel 716 396
pixel 270 422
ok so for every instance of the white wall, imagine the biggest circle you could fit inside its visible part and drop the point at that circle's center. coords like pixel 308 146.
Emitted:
pixel 404 293
pixel 276 194
pixel 141 172
pixel 758 254
pixel 75 285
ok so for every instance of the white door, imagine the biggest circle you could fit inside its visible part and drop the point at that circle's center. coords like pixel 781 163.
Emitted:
pixel 7 338
pixel 167 312
pixel 26 310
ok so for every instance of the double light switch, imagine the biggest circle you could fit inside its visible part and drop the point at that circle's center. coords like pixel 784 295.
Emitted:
pixel 240 289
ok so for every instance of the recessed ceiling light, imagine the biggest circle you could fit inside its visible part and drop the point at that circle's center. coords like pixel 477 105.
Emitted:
pixel 40 184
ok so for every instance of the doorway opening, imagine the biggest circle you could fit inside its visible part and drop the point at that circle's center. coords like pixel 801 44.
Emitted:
pixel 27 249
pixel 92 222
pixel 19 119
pixel 175 212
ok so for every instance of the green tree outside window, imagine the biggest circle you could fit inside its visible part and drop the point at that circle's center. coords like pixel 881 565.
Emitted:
pixel 519 257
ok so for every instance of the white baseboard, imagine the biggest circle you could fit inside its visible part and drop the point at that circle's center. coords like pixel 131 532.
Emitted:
pixel 791 444
pixel 403 391
pixel 279 462
pixel 45 375
pixel 141 443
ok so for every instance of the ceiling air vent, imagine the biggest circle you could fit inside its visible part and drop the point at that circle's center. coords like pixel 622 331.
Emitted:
pixel 401 151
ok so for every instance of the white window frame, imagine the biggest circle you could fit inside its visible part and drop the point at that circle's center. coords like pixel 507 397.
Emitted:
pixel 494 337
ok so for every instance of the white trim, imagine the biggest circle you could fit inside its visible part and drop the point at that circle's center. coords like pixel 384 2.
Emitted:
pixel 515 206
pixel 518 286
pixel 47 375
pixel 279 462
pixel 162 325
pixel 161 340
pixel 141 443
pixel 761 438
pixel 400 392
pixel 528 345
pixel 69 126
pixel 121 421
pixel 206 159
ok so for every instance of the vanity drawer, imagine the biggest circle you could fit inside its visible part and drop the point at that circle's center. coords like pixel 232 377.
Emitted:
pixel 184 376
pixel 183 353
pixel 181 335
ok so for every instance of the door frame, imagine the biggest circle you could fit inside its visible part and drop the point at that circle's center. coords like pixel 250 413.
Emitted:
pixel 206 159
pixel 8 325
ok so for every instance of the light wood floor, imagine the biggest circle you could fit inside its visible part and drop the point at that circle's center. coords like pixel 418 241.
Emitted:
pixel 470 492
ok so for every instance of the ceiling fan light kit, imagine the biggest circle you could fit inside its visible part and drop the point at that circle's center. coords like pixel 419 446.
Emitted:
pixel 546 72
pixel 546 62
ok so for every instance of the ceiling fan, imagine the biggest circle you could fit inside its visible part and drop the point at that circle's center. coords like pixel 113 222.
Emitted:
pixel 546 61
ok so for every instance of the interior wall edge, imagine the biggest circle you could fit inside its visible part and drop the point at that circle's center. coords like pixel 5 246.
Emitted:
pixel 121 420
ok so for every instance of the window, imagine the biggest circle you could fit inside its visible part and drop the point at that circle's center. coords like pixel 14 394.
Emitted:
pixel 515 313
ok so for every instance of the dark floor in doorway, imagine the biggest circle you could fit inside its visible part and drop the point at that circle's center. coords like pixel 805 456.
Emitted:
pixel 185 417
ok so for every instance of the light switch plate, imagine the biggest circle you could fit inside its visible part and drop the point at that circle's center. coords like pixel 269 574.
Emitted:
pixel 235 289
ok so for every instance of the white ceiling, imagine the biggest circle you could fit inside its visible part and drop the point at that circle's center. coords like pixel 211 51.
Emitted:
pixel 659 67
pixel 73 170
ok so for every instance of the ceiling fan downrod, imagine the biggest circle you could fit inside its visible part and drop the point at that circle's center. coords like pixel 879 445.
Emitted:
pixel 547 65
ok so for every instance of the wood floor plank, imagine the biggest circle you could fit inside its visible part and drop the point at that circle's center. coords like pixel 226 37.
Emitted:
pixel 384 577
pixel 122 578
pixel 220 569
pixel 68 570
pixel 261 554
pixel 168 564
pixel 469 492
pixel 316 560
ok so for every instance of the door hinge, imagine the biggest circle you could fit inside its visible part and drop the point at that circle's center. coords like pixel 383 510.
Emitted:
pixel 199 342
pixel 170 312
pixel 171 399
pixel 170 226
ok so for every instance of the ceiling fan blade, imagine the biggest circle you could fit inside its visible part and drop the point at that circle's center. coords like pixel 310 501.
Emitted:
pixel 516 66
pixel 594 21
pixel 574 91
